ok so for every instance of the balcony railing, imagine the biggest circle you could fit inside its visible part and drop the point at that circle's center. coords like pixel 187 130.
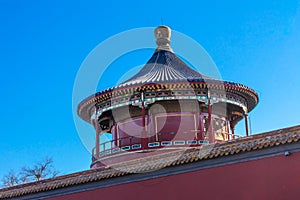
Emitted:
pixel 128 144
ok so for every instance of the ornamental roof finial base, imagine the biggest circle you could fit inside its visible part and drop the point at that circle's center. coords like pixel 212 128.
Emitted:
pixel 163 35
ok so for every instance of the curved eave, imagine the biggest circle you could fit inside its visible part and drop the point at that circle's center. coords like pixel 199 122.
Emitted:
pixel 87 106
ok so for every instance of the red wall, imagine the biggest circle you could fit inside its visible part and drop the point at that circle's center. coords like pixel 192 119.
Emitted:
pixel 270 178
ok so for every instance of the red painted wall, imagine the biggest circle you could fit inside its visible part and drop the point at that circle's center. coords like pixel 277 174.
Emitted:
pixel 270 178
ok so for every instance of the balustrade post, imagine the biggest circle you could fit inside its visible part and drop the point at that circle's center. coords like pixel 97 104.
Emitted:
pixel 104 148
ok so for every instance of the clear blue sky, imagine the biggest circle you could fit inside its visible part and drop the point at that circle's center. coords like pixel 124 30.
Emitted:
pixel 43 43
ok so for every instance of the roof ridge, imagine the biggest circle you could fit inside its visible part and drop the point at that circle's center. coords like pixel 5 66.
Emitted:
pixel 260 141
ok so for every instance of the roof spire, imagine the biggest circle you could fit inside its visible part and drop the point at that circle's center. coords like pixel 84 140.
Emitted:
pixel 163 34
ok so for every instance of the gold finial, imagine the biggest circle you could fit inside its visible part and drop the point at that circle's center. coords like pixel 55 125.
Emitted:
pixel 163 35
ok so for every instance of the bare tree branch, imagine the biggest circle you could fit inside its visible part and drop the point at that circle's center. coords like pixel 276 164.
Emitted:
pixel 41 170
pixel 10 179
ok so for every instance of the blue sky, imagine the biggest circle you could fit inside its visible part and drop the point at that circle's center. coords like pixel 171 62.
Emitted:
pixel 43 44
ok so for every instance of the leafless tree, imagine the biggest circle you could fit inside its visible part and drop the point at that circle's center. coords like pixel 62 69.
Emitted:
pixel 10 179
pixel 41 170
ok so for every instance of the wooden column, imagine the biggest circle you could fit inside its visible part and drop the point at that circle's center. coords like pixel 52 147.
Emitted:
pixel 246 124
pixel 154 127
pixel 143 115
pixel 144 134
pixel 115 136
pixel 196 127
pixel 97 142
pixel 228 129
pixel 232 131
pixel 201 131
pixel 210 125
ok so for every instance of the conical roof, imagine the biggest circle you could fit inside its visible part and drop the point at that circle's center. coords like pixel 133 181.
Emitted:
pixel 164 66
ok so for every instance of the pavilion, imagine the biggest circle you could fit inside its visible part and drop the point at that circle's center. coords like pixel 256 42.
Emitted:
pixel 173 137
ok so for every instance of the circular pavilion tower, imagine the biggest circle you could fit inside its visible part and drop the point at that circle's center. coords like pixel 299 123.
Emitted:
pixel 167 105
